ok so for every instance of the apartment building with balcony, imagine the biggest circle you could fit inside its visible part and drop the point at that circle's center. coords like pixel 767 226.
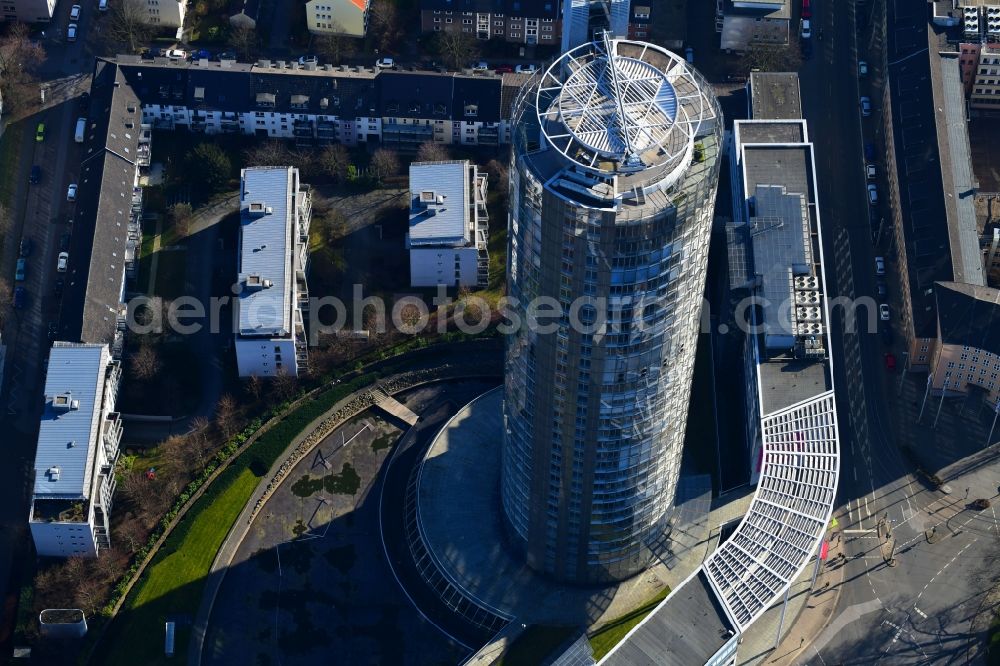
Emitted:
pixel 78 439
pixel 107 218
pixel 275 210
pixel 449 230
pixel 315 105
pixel 166 13
pixel 517 21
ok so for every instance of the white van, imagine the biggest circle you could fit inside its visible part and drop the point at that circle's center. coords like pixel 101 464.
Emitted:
pixel 81 128
pixel 102 5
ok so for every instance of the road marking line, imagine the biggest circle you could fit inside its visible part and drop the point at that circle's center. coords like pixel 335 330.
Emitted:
pixel 859 531
pixel 920 612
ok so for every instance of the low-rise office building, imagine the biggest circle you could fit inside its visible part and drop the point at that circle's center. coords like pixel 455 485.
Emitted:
pixel 931 187
pixel 448 225
pixel 744 23
pixel 275 210
pixel 967 354
pixel 337 17
pixel 74 479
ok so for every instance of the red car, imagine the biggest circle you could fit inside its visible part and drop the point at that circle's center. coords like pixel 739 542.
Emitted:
pixel 806 12
pixel 503 69
pixel 890 361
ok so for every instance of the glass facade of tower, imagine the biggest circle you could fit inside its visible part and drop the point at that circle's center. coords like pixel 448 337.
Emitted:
pixel 610 215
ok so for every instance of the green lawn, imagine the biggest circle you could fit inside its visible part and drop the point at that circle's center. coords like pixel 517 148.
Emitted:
pixel 610 634
pixel 993 645
pixel 173 584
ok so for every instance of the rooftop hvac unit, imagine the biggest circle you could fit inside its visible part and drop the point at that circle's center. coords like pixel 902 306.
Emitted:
pixel 809 328
pixel 806 297
pixel 64 402
pixel 53 473
pixel 257 208
pixel 807 314
pixel 806 283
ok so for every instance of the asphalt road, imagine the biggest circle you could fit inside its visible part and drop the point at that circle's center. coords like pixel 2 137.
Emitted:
pixel 39 212
pixel 919 610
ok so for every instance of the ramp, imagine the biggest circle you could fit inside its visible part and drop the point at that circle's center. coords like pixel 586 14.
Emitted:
pixel 393 407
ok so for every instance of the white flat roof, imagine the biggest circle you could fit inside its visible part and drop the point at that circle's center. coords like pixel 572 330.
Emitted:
pixel 439 203
pixel 266 251
pixel 67 437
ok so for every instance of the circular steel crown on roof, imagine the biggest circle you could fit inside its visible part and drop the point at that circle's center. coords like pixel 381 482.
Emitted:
pixel 631 103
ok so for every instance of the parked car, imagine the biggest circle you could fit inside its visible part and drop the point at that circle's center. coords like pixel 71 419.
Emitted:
pixel 480 66
pixel 64 242
pixel 36 175
pixel 872 194
pixel 176 54
pixel 805 31
pixel 71 192
pixel 806 10
pixel 74 13
pixel 71 32
pixel 869 151
pixel 807 49
pixel 879 266
pixel 201 54
pixel 155 53
pixel 40 132
pixel 866 106
pixel 57 286
pixel 880 290
pixel 102 5
pixel 525 69
pixel 21 272
pixel 20 296
pixel 84 102
pixel 226 55
pixel 385 63
pixel 890 361
pixel 862 68
pixel 503 69
pixel 25 249
pixel 63 262
pixel 883 312
pixel 308 59
pixel 689 55
pixel 870 172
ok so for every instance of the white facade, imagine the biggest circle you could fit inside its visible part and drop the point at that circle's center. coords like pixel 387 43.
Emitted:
pixel 349 132
pixel 448 231
pixel 166 13
pixel 337 17
pixel 448 266
pixel 275 209
pixel 78 442
pixel 27 11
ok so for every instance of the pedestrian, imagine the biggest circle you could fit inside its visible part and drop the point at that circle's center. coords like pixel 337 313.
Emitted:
pixel 802 642
pixel 966 493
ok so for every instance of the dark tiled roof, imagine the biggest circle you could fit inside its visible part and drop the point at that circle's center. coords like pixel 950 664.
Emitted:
pixel 918 165
pixel 969 315
pixel 100 229
pixel 539 8
pixel 335 91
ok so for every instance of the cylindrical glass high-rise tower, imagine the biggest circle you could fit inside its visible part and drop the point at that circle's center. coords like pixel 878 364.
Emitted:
pixel 615 165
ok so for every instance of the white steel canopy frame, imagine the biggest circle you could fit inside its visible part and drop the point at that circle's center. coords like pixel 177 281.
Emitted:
pixel 628 102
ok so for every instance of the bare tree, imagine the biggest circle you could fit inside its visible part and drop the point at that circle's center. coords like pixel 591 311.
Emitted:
pixel 335 48
pixel 129 532
pixel 5 300
pixel 145 362
pixel 226 415
pixel 332 225
pixel 127 27
pixel 244 40
pixel 333 160
pixel 499 178
pixel 253 387
pixel 383 23
pixel 432 151
pixel 20 58
pixel 285 385
pixel 456 48
pixel 268 153
pixel 384 162
pixel 136 489
pixel 181 215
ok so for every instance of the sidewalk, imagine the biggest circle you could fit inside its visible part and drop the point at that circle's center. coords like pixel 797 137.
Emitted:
pixel 809 611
